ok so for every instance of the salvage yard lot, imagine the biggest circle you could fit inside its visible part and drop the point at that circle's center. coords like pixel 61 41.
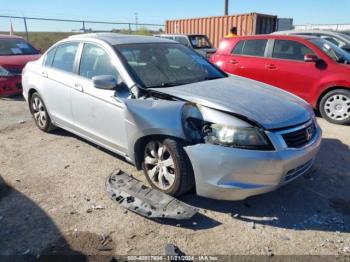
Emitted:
pixel 53 200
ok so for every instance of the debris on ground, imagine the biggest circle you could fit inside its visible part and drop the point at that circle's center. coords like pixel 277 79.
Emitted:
pixel 268 252
pixel 67 166
pixel 93 208
pixel 21 122
pixel 172 250
pixel 105 243
pixel 346 249
pixel 97 207
pixel 133 195
pixel 252 225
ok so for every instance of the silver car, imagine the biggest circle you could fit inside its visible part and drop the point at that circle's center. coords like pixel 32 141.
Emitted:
pixel 170 112
pixel 339 39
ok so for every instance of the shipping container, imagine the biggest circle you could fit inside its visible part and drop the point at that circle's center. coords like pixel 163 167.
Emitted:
pixel 216 27
pixel 284 24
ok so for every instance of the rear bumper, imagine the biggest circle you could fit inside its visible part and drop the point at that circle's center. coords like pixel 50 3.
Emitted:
pixel 235 174
pixel 10 86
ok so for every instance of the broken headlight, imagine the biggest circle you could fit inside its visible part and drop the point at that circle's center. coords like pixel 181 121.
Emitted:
pixel 243 137
pixel 237 134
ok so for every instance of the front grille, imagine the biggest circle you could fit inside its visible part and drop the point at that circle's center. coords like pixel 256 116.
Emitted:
pixel 300 137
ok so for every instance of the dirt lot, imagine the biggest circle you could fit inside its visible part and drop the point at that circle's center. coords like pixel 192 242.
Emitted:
pixel 49 184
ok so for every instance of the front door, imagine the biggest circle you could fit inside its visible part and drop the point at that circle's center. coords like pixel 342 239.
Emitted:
pixel 287 69
pixel 97 113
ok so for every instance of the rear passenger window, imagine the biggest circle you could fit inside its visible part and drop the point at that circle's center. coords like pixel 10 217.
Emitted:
pixel 96 62
pixel 291 50
pixel 49 57
pixel 237 50
pixel 65 56
pixel 254 47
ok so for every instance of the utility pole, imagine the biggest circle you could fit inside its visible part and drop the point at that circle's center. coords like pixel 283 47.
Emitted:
pixel 226 7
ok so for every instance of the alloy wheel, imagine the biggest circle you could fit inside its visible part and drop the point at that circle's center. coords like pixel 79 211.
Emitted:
pixel 159 165
pixel 39 112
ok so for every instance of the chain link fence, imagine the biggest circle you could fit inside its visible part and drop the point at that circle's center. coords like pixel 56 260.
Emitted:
pixel 43 32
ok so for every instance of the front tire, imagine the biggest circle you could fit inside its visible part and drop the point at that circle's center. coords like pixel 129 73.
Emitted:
pixel 40 114
pixel 167 166
pixel 335 107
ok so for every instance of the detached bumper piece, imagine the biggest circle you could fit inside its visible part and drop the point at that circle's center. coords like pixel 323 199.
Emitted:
pixel 133 195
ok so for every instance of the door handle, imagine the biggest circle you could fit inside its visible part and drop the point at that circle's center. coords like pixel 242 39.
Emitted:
pixel 44 74
pixel 233 61
pixel 78 86
pixel 271 66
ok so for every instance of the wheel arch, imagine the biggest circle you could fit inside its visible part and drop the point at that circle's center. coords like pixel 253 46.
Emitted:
pixel 141 143
pixel 326 91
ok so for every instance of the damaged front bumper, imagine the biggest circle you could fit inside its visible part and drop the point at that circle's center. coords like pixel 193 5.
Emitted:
pixel 227 173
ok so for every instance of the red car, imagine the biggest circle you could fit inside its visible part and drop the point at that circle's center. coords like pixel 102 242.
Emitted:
pixel 15 53
pixel 309 67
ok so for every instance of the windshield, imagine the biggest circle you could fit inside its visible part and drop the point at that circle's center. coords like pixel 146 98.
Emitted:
pixel 199 41
pixel 16 46
pixel 331 50
pixel 164 65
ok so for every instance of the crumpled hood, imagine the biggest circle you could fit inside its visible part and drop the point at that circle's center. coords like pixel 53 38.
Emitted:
pixel 269 106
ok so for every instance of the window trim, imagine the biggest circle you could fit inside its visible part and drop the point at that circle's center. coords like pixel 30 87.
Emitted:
pixel 83 43
pixel 73 72
pixel 245 40
pixel 54 49
pixel 285 59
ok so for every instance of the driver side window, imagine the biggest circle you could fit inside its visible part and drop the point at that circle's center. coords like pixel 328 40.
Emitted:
pixel 95 61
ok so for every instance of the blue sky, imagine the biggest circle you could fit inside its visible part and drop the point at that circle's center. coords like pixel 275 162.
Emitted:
pixel 157 11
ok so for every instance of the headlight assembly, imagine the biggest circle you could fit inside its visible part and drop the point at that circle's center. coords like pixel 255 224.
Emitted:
pixel 236 133
pixel 242 137
pixel 4 72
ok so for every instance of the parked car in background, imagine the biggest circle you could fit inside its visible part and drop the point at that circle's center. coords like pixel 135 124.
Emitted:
pixel 15 52
pixel 309 67
pixel 339 39
pixel 200 43
pixel 169 111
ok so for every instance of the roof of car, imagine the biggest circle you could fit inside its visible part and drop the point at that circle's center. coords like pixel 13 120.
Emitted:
pixel 275 36
pixel 306 31
pixel 9 36
pixel 119 39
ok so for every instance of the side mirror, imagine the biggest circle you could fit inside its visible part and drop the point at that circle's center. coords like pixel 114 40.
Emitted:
pixel 107 82
pixel 311 58
pixel 346 48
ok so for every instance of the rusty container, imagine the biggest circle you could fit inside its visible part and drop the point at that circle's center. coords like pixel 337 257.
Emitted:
pixel 216 27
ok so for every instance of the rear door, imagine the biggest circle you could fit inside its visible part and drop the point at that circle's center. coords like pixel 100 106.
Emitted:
pixel 57 81
pixel 247 59
pixel 286 69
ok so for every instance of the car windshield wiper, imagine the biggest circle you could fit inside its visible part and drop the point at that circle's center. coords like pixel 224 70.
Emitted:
pixel 212 78
pixel 165 84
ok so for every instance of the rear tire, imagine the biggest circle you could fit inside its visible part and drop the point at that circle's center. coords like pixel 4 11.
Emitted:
pixel 40 114
pixel 335 107
pixel 167 166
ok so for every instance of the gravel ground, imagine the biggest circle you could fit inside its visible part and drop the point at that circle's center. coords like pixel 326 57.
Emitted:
pixel 49 184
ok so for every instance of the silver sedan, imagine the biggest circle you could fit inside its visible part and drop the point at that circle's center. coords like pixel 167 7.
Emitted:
pixel 170 112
